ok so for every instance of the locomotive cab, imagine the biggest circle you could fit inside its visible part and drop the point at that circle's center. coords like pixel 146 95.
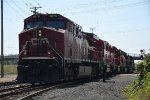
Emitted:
pixel 50 20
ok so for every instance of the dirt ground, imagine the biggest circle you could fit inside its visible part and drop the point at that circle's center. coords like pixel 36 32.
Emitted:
pixel 8 78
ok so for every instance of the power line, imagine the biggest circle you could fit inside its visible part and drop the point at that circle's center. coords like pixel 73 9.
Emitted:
pixel 34 9
pixel 89 5
pixel 19 7
pixel 37 3
pixel 40 6
pixel 29 3
pixel 130 31
pixel 18 13
pixel 111 8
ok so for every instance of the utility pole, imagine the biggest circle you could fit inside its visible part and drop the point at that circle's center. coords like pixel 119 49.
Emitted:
pixel 35 10
pixel 2 55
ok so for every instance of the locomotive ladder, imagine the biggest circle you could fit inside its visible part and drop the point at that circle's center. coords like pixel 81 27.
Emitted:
pixel 60 59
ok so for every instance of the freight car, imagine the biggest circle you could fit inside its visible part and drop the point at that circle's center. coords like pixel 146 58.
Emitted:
pixel 53 48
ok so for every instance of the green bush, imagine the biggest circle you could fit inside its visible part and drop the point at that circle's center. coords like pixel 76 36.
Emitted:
pixel 140 89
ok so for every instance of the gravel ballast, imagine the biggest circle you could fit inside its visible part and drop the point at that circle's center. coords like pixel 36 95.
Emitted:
pixel 96 90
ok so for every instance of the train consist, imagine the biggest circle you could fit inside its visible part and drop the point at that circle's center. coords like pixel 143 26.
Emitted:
pixel 53 48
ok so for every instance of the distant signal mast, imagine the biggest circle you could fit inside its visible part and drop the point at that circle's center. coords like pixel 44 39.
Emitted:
pixel 92 29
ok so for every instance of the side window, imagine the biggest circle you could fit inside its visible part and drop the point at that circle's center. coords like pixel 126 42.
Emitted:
pixel 74 29
pixel 77 31
pixel 89 54
pixel 81 35
pixel 68 24
pixel 70 51
pixel 70 27
pixel 84 51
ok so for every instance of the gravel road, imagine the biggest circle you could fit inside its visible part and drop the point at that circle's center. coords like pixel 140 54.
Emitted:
pixel 97 90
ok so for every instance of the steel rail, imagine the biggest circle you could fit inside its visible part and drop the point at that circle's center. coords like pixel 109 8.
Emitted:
pixel 13 91
pixel 52 87
pixel 13 88
pixel 8 83
pixel 36 93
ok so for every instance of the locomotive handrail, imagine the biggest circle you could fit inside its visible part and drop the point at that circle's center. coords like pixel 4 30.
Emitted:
pixel 24 47
pixel 61 57
pixel 57 53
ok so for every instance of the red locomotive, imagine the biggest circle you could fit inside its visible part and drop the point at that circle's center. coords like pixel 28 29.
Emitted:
pixel 53 48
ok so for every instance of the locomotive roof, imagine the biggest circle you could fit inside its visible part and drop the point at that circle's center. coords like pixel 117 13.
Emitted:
pixel 90 34
pixel 48 16
pixel 40 15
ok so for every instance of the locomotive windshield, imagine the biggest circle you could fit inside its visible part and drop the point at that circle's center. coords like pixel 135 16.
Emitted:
pixel 56 24
pixel 53 24
pixel 34 24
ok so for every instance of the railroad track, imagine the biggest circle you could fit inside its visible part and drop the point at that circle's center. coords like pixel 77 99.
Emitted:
pixel 29 96
pixel 8 83
pixel 16 91
pixel 61 85
pixel 29 91
pixel 12 91
pixel 12 88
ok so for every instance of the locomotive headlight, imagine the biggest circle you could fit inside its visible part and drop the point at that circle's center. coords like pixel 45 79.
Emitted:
pixel 49 52
pixel 25 52
pixel 40 33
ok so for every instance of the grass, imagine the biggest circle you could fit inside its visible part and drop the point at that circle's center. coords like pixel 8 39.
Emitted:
pixel 10 69
pixel 138 90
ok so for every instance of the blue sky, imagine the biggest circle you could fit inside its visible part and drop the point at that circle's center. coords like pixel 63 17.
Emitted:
pixel 123 23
